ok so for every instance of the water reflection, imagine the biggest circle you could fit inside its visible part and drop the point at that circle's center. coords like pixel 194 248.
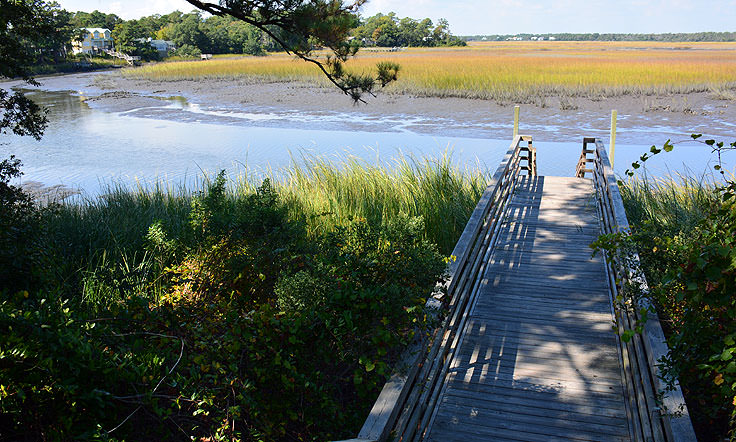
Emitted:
pixel 85 147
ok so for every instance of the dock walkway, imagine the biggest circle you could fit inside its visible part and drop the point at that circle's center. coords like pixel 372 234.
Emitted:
pixel 538 360
pixel 526 348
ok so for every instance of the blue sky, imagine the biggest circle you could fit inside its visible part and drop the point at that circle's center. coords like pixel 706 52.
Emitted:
pixel 509 16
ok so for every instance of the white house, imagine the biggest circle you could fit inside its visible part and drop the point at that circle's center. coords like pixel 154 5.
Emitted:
pixel 162 46
pixel 95 40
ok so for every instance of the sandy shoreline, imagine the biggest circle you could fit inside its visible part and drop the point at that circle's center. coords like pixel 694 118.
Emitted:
pixel 642 119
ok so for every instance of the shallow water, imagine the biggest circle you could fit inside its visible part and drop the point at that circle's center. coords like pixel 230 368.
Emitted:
pixel 175 142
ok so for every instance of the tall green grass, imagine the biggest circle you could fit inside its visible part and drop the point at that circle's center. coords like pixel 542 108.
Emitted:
pixel 669 205
pixel 324 193
pixel 104 238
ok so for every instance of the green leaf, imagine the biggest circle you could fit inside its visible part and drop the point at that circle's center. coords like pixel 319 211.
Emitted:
pixel 627 335
pixel 726 355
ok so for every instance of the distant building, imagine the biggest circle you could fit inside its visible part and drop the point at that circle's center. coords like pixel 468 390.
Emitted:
pixel 95 40
pixel 553 38
pixel 162 46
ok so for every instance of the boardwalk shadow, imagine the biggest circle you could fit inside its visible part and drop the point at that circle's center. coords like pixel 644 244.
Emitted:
pixel 538 356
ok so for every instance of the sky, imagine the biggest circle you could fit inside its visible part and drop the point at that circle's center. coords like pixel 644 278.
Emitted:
pixel 470 17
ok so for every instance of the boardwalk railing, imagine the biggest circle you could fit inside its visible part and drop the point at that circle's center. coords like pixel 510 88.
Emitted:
pixel 405 405
pixel 655 412
pixel 129 58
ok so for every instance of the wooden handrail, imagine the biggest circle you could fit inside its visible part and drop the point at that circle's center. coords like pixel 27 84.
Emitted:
pixel 406 404
pixel 657 413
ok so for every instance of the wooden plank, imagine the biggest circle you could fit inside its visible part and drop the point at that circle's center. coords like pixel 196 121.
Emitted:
pixel 564 393
pixel 595 366
pixel 511 330
pixel 553 255
pixel 480 434
pixel 503 326
pixel 482 349
pixel 501 342
pixel 535 416
pixel 529 431
pixel 567 324
pixel 497 281
pixel 539 311
pixel 545 394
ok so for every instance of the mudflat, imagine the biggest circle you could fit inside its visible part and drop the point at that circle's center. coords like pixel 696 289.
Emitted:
pixel 643 119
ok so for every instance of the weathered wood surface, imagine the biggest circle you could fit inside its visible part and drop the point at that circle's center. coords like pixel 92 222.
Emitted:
pixel 538 360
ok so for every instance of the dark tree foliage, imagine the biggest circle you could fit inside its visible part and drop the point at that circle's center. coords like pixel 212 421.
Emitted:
pixel 27 29
pixel 130 38
pixel 301 27
pixel 389 30
pixel 95 19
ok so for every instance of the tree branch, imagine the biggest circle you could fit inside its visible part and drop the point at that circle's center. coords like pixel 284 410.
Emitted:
pixel 285 15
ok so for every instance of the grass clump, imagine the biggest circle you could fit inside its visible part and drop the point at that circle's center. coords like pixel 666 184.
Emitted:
pixel 327 194
pixel 237 311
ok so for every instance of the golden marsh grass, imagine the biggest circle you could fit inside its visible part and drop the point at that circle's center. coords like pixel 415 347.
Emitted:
pixel 504 71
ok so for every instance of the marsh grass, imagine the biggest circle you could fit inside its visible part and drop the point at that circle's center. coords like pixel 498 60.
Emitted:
pixel 664 215
pixel 104 239
pixel 518 72
pixel 326 193
pixel 672 204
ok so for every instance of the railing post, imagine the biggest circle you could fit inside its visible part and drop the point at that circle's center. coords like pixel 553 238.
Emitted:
pixel 612 141
pixel 516 121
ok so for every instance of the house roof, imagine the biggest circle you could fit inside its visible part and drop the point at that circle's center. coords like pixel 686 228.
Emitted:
pixel 100 30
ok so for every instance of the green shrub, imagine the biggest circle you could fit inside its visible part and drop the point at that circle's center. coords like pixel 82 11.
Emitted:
pixel 187 51
pixel 685 232
pixel 20 231
pixel 214 316
pixel 703 347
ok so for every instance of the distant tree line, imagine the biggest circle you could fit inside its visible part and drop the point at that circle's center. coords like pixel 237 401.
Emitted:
pixel 193 34
pixel 566 36
pixel 388 30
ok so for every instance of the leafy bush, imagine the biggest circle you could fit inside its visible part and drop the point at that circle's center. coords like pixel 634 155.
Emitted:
pixel 703 347
pixel 685 235
pixel 227 321
pixel 20 225
pixel 187 51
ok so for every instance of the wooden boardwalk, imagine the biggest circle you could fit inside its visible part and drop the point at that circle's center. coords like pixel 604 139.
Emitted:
pixel 537 359
pixel 525 349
